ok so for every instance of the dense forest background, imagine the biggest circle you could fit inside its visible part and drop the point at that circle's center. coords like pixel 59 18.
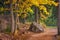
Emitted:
pixel 30 16
pixel 15 12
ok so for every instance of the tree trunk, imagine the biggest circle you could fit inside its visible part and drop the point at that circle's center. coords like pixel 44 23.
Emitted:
pixel 11 10
pixel 16 23
pixel 39 16
pixel 36 14
pixel 58 20
pixel 17 17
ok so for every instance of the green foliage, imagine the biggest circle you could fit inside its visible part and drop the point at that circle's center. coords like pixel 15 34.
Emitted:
pixel 30 17
pixel 52 19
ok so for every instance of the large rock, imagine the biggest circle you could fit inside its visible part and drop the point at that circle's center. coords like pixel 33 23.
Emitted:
pixel 35 27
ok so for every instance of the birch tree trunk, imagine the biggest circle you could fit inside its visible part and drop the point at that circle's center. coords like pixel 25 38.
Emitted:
pixel 17 17
pixel 12 15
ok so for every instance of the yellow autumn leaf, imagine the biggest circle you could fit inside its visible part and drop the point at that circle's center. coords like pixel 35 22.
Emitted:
pixel 43 16
pixel 47 13
pixel 42 8
pixel 50 3
pixel 18 15
pixel 14 1
pixel 56 4
pixel 42 1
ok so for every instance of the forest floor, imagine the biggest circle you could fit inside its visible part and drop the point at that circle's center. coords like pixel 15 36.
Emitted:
pixel 49 34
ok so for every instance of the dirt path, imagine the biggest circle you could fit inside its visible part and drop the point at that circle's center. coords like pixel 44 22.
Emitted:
pixel 49 34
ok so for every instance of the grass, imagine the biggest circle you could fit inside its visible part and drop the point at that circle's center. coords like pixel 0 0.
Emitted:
pixel 51 26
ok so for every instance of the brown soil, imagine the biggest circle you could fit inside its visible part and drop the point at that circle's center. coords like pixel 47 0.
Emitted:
pixel 49 34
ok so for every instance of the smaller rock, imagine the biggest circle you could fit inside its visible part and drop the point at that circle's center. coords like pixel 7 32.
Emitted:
pixel 35 27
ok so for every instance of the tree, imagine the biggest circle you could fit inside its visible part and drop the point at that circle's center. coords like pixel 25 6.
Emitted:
pixel 36 14
pixel 11 10
pixel 58 20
